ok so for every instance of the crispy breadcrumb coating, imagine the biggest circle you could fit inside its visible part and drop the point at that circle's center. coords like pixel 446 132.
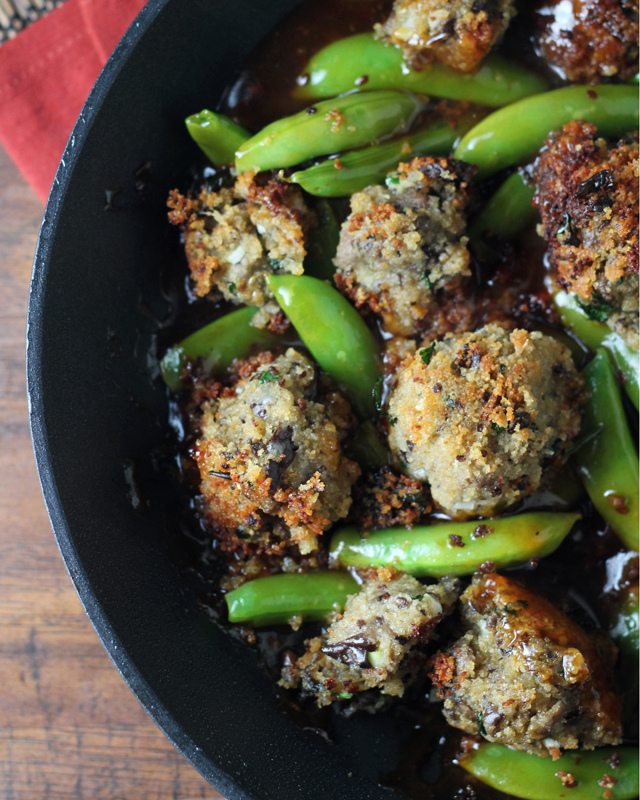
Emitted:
pixel 404 242
pixel 459 33
pixel 587 194
pixel 236 236
pixel 270 457
pixel 588 40
pixel 480 416
pixel 375 643
pixel 525 675
pixel 383 498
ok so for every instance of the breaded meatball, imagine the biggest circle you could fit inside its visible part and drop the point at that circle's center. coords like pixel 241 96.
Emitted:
pixel 525 675
pixel 233 238
pixel 405 241
pixel 459 33
pixel 374 644
pixel 479 416
pixel 270 457
pixel 588 40
pixel 587 194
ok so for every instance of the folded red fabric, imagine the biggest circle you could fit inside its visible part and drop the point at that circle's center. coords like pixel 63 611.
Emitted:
pixel 46 73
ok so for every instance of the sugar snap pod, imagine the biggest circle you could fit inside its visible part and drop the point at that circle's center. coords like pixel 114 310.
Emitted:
pixel 597 334
pixel 352 172
pixel 275 599
pixel 582 775
pixel 218 344
pixel 607 461
pixel 335 334
pixel 505 214
pixel 328 127
pixel 454 548
pixel 365 62
pixel 216 135
pixel 516 132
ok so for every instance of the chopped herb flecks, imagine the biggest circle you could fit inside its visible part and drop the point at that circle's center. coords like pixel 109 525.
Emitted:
pixel 427 280
pixel 426 354
pixel 598 309
pixel 268 377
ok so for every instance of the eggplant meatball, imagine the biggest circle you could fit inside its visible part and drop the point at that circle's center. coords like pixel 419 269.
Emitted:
pixel 587 194
pixel 405 241
pixel 479 416
pixel 588 40
pixel 525 675
pixel 458 33
pixel 270 457
pixel 233 238
pixel 374 644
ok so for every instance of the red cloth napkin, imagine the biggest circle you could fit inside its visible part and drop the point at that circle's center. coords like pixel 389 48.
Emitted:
pixel 46 73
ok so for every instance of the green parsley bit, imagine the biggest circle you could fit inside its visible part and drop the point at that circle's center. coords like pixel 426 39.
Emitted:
pixel 426 354
pixel 269 377
pixel 597 309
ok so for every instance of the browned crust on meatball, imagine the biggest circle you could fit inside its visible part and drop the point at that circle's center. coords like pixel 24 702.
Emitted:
pixel 376 642
pixel 526 675
pixel 236 236
pixel 405 241
pixel 599 40
pixel 480 416
pixel 383 498
pixel 458 33
pixel 587 194
pixel 269 453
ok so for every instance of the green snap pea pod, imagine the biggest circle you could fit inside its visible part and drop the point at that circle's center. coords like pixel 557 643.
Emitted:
pixel 323 245
pixel 216 135
pixel 623 630
pixel 366 448
pixel 349 173
pixel 624 627
pixel 516 133
pixel 361 61
pixel 328 127
pixel 533 778
pixel 275 599
pixel 607 462
pixel 597 334
pixel 219 343
pixel 335 334
pixel 454 548
pixel 507 212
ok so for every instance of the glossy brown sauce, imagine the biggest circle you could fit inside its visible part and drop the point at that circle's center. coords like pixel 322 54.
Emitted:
pixel 573 578
pixel 263 91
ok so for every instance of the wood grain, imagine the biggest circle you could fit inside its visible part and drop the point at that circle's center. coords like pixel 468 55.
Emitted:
pixel 69 726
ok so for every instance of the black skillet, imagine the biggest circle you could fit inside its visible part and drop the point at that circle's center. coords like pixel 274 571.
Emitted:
pixel 99 414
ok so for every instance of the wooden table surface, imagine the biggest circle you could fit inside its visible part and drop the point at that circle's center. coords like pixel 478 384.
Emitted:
pixel 69 726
